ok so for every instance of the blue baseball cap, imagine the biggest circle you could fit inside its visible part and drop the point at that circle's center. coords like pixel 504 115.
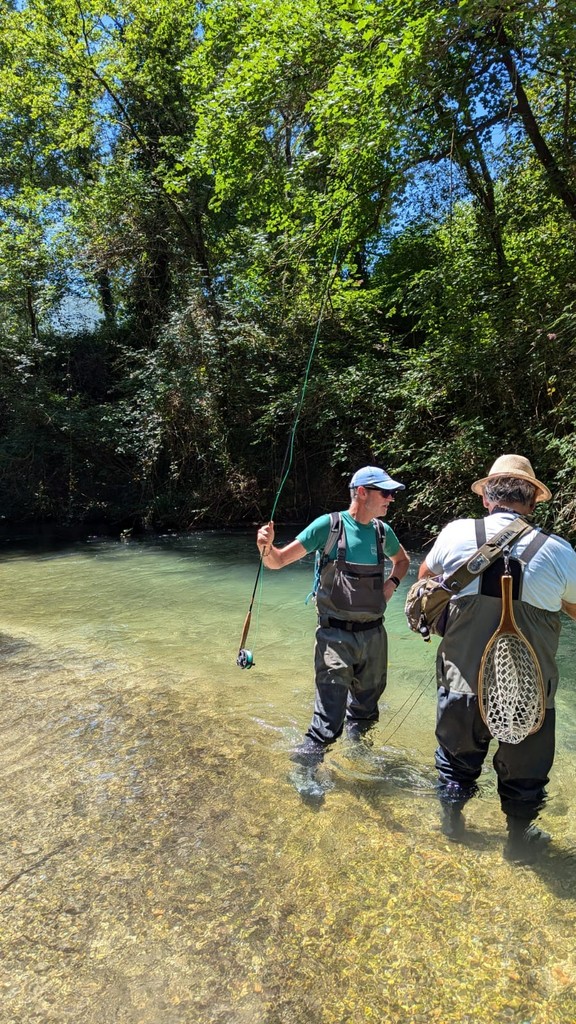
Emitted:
pixel 373 476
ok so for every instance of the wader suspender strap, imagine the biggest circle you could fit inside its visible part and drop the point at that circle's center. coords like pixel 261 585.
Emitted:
pixel 487 553
pixel 533 546
pixel 334 534
pixel 381 538
pixel 320 559
pixel 528 553
pixel 337 533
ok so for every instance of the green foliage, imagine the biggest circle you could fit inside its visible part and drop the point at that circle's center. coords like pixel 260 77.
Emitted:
pixel 212 181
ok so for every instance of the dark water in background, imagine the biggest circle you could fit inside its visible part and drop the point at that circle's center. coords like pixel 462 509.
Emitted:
pixel 156 864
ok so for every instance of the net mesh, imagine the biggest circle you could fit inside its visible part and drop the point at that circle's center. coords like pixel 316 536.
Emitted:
pixel 512 694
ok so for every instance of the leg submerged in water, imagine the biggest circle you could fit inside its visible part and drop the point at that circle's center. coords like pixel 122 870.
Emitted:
pixel 307 758
pixel 453 796
pixel 523 773
pixel 359 739
pixel 463 742
pixel 309 753
pixel 526 842
pixel 453 825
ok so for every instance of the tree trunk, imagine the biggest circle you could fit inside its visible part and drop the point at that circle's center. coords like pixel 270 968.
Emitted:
pixel 106 297
pixel 31 313
pixel 556 176
pixel 485 193
pixel 480 182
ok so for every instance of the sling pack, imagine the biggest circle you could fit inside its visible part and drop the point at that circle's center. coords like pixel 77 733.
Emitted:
pixel 334 534
pixel 427 601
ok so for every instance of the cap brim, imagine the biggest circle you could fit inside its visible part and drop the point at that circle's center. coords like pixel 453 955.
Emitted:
pixel 390 485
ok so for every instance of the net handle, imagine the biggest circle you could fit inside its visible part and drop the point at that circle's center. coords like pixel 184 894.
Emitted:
pixel 507 620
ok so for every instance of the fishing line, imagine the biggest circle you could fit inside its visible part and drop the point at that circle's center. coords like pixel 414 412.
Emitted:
pixel 245 657
pixel 427 680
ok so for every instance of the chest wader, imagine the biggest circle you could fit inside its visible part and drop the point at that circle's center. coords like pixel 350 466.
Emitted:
pixel 349 592
pixel 463 738
pixel 350 656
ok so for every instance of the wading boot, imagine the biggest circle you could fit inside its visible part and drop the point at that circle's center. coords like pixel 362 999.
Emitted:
pixel 357 731
pixel 453 796
pixel 360 743
pixel 304 780
pixel 453 825
pixel 525 841
pixel 307 758
pixel 309 753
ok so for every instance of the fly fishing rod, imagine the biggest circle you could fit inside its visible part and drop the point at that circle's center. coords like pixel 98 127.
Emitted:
pixel 245 657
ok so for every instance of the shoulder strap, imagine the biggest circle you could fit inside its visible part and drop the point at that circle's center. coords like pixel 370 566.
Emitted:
pixel 321 557
pixel 534 546
pixel 485 555
pixel 380 528
pixel 333 533
pixel 336 532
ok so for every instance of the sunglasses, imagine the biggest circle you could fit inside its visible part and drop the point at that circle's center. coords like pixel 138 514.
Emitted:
pixel 391 492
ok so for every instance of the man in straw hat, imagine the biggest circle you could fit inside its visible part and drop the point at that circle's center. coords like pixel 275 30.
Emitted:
pixel 543 567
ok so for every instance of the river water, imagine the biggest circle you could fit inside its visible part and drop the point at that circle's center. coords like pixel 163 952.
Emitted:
pixel 157 865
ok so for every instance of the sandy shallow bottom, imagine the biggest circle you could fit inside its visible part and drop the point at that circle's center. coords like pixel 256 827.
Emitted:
pixel 157 866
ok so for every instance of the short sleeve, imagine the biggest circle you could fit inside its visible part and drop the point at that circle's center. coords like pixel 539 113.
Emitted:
pixel 391 542
pixel 314 536
pixel 569 594
pixel 437 555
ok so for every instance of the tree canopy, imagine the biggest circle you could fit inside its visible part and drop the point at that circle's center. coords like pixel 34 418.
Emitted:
pixel 190 194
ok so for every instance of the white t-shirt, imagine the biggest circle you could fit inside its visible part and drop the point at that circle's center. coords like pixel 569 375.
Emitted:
pixel 549 577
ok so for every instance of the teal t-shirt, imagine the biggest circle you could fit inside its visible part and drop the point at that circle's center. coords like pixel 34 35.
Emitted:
pixel 361 539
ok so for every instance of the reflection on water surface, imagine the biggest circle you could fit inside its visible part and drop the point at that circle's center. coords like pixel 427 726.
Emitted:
pixel 157 866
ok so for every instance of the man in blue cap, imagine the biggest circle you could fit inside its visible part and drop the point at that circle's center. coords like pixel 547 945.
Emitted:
pixel 352 592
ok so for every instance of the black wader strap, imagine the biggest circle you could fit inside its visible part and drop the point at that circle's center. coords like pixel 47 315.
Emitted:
pixel 534 546
pixel 334 534
pixel 337 535
pixel 381 538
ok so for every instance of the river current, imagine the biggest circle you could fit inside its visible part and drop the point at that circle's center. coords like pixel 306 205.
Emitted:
pixel 158 866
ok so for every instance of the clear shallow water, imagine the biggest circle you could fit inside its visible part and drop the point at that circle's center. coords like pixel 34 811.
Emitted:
pixel 157 865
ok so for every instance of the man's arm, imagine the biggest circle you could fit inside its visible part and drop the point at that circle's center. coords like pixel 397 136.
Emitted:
pixel 400 564
pixel 424 571
pixel 273 557
pixel 569 608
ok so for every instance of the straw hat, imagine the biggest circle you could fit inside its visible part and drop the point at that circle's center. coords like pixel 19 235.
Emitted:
pixel 513 465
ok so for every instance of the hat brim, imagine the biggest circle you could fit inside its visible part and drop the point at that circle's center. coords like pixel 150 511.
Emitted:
pixel 542 492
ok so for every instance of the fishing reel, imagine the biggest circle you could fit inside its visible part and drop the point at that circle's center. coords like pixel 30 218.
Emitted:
pixel 423 630
pixel 245 658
